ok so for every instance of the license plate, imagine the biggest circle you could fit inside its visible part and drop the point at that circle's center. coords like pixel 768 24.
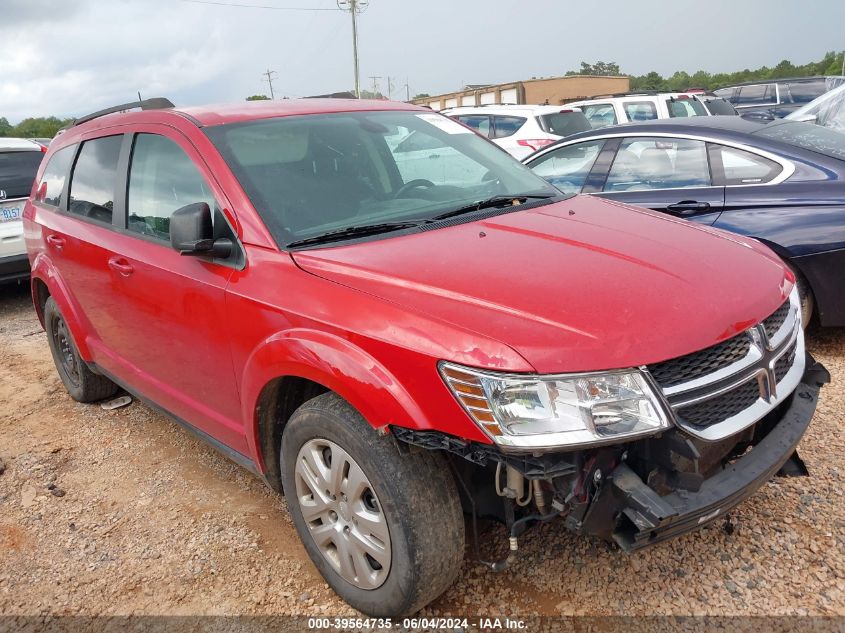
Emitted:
pixel 11 211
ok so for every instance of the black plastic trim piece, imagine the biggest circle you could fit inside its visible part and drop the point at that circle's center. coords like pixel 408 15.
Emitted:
pixel 154 103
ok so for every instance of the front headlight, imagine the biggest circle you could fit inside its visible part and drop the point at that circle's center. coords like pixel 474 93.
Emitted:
pixel 571 410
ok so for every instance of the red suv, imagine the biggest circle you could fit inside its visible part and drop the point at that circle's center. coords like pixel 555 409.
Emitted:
pixel 399 337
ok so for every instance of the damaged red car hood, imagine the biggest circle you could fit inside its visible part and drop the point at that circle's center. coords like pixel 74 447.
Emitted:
pixel 579 285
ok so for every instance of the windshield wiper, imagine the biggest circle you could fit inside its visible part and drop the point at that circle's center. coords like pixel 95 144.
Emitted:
pixel 360 230
pixel 495 201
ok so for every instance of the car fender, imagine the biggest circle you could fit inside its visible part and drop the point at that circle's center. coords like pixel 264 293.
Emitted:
pixel 332 362
pixel 45 271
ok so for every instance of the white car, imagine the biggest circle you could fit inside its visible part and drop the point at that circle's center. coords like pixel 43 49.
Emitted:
pixel 827 110
pixel 521 129
pixel 616 109
pixel 19 161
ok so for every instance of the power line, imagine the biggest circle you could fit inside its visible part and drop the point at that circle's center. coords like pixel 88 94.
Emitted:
pixel 259 6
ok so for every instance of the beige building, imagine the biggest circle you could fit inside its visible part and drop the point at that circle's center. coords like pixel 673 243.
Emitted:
pixel 551 90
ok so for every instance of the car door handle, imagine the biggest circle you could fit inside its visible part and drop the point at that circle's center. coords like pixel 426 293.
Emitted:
pixel 56 242
pixel 120 265
pixel 688 207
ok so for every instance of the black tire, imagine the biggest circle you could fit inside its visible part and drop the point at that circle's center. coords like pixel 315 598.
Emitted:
pixel 81 383
pixel 805 295
pixel 417 497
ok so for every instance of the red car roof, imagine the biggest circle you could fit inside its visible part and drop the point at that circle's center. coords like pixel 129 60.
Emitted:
pixel 247 110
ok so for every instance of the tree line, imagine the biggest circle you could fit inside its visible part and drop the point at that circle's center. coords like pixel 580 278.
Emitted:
pixel 830 64
pixel 33 127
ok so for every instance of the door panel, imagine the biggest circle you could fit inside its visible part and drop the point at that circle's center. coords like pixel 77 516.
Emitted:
pixel 162 326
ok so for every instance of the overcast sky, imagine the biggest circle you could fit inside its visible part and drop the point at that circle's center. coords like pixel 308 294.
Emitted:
pixel 69 57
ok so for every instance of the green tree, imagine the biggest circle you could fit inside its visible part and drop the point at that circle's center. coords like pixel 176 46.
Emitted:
pixel 39 127
pixel 422 95
pixel 6 128
pixel 599 68
pixel 258 98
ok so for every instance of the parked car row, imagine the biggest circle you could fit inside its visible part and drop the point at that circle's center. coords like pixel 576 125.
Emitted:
pixel 382 314
pixel 782 183
pixel 775 99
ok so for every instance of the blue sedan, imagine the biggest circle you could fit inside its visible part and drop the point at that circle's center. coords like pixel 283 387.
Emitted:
pixel 782 183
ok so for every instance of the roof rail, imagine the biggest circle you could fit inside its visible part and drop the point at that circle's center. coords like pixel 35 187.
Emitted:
pixel 154 103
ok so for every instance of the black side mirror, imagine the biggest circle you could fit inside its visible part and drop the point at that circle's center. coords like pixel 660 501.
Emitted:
pixel 192 233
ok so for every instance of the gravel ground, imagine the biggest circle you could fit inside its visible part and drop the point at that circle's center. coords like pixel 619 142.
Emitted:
pixel 124 512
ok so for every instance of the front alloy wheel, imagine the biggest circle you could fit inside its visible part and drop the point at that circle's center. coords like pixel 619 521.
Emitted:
pixel 342 513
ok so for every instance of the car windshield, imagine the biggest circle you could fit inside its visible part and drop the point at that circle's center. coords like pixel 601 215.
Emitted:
pixel 17 171
pixel 717 105
pixel 564 123
pixel 807 136
pixel 685 107
pixel 315 174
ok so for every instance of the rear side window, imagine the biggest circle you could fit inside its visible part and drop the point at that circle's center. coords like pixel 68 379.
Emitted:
pixel 761 94
pixel 94 177
pixel 162 179
pixel 17 172
pixel 563 123
pixel 739 167
pixel 478 122
pixel 506 125
pixel 640 110
pixel 53 178
pixel 567 168
pixel 599 114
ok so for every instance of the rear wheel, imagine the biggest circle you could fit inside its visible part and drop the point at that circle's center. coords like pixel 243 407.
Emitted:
pixel 82 384
pixel 384 528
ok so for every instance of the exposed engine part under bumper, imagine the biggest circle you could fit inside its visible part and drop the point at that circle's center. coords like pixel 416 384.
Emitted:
pixel 631 513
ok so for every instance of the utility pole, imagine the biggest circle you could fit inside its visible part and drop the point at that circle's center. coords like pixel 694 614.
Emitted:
pixel 407 89
pixel 354 7
pixel 270 75
pixel 389 88
pixel 375 85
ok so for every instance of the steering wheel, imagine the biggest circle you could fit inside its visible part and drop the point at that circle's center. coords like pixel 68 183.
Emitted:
pixel 413 184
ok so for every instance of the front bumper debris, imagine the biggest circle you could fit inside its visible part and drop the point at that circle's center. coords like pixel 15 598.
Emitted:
pixel 634 515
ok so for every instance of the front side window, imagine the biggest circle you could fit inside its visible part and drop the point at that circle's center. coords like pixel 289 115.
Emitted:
pixel 311 175
pixel 504 126
pixel 658 163
pixel 718 106
pixel 53 179
pixel 478 122
pixel 640 110
pixel 92 185
pixel 599 114
pixel 162 179
pixel 567 168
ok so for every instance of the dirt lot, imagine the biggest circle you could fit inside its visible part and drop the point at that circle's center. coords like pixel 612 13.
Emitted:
pixel 124 512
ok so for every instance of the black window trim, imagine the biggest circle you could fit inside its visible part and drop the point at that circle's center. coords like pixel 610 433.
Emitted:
pixel 118 224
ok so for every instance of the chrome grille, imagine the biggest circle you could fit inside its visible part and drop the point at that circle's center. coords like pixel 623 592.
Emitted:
pixel 724 389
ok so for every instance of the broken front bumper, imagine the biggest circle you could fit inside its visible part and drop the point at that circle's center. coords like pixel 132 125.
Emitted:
pixel 634 515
